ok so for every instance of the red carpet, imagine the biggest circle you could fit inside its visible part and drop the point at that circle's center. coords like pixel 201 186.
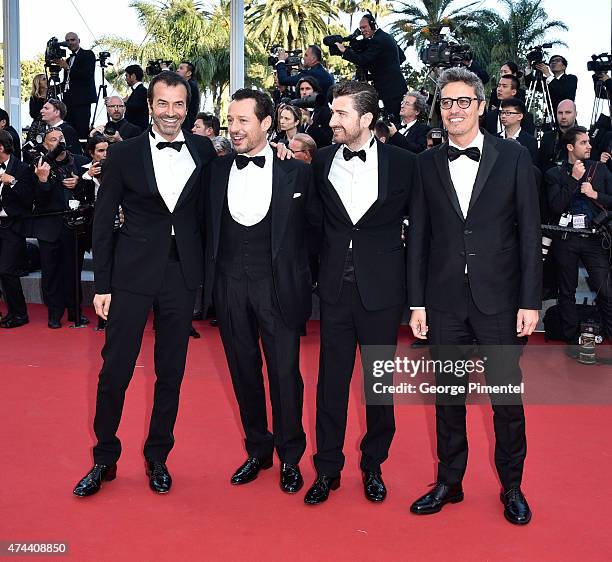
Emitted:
pixel 49 380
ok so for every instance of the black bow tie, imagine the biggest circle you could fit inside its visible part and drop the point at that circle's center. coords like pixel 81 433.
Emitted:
pixel 472 152
pixel 177 145
pixel 2 167
pixel 242 161
pixel 348 154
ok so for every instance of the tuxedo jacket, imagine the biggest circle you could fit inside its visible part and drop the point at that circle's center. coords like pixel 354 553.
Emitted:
pixel 127 130
pixel 82 85
pixel 137 108
pixel 499 239
pixel 415 140
pixel 17 201
pixel 492 118
pixel 379 254
pixel 529 142
pixel 72 138
pixel 552 150
pixel 295 210
pixel 137 261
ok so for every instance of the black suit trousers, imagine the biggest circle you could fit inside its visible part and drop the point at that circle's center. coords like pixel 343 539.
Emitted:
pixel 452 336
pixel 78 116
pixel 344 325
pixel 126 322
pixel 12 248
pixel 247 311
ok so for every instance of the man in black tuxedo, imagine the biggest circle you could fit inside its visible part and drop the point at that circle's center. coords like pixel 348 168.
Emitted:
pixel 53 114
pixel 475 274
pixel 512 113
pixel 187 70
pixel 136 104
pixel 257 269
pixel 155 262
pixel 115 108
pixel 79 84
pixel 16 198
pixel 364 186
pixel 552 150
pixel 507 87
pixel 382 59
pixel 561 86
pixel 412 134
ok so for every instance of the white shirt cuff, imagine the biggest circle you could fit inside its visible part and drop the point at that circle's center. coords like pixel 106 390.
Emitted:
pixel 417 308
pixel 550 78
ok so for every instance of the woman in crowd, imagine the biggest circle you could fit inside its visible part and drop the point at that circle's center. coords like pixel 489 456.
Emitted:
pixel 289 123
pixel 38 96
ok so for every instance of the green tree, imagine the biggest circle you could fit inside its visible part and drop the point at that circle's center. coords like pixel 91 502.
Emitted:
pixel 27 69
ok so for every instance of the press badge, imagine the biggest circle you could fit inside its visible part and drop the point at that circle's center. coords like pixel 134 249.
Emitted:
pixel 565 219
pixel 579 221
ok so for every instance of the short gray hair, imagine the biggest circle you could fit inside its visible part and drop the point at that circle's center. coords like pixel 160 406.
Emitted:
pixel 222 144
pixel 420 102
pixel 461 74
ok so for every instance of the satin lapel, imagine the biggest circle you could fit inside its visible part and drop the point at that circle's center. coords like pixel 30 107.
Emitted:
pixel 218 193
pixel 147 161
pixel 332 190
pixel 487 161
pixel 383 181
pixel 196 171
pixel 441 161
pixel 282 195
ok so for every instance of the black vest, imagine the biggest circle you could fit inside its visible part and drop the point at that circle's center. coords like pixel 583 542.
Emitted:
pixel 245 250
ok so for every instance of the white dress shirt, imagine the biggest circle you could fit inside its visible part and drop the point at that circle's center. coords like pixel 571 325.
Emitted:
pixel 249 191
pixel 3 168
pixel 463 171
pixel 356 181
pixel 96 181
pixel 172 169
pixel 514 136
pixel 406 127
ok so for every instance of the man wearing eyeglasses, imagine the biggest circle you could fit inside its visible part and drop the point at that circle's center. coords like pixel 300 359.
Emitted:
pixel 412 132
pixel 475 274
pixel 512 112
pixel 115 107
pixel 561 86
pixel 507 87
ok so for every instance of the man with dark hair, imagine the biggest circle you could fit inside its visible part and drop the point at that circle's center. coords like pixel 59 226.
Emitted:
pixel 136 105
pixel 475 275
pixel 412 132
pixel 5 125
pixel 312 67
pixel 207 125
pixel 187 70
pixel 512 112
pixel 579 190
pixel 364 186
pixel 560 85
pixel 79 84
pixel 258 207
pixel 382 59
pixel 155 262
pixel 53 113
pixel 507 87
pixel 552 149
pixel 16 198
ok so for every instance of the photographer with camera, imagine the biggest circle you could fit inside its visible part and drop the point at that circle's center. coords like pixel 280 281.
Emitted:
pixel 136 105
pixel 412 135
pixel 117 128
pixel 312 68
pixel 382 58
pixel 315 109
pixel 91 172
pixel 579 195
pixel 53 114
pixel 187 70
pixel 561 86
pixel 56 190
pixel 552 150
pixel 79 84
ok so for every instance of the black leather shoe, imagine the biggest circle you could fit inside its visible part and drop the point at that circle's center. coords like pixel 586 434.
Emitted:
pixel 92 481
pixel 83 320
pixel 160 480
pixel 248 471
pixel 516 508
pixel 291 480
pixel 319 491
pixel 54 324
pixel 214 322
pixel 439 496
pixel 194 333
pixel 374 487
pixel 14 321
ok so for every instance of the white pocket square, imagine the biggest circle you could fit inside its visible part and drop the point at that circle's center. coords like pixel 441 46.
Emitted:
pixel 296 195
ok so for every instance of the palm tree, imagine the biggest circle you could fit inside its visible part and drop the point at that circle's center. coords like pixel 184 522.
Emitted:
pixel 349 7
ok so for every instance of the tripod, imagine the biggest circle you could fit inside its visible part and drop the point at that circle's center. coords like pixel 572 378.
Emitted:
pixel 601 97
pixel 540 84
pixel 102 88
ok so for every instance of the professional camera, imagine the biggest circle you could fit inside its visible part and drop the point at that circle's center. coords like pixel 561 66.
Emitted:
pixel 310 102
pixel 437 136
pixel 387 118
pixel 603 222
pixel 294 57
pixel 535 55
pixel 590 335
pixel 358 45
pixel 103 58
pixel 154 67
pixel 54 51
pixel 600 63
pixel 110 129
pixel 443 51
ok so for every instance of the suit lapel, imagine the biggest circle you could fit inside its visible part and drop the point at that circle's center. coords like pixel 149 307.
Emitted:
pixel 441 162
pixel 219 182
pixel 282 194
pixel 383 181
pixel 487 161
pixel 196 171
pixel 147 160
pixel 332 190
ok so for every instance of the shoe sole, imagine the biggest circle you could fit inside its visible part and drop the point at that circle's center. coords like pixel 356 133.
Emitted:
pixel 456 499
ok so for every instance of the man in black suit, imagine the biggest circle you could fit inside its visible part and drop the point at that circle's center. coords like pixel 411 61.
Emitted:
pixel 156 262
pixel 115 108
pixel 136 104
pixel 412 134
pixel 53 114
pixel 257 268
pixel 507 88
pixel 382 59
pixel 16 198
pixel 512 112
pixel 475 274
pixel 552 151
pixel 187 71
pixel 560 85
pixel 79 84
pixel 5 125
pixel 364 186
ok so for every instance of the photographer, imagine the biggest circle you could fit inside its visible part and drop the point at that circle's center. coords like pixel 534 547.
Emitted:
pixel 15 202
pixel 312 68
pixel 56 190
pixel 5 125
pixel 136 105
pixel 314 104
pixel 187 71
pixel 579 191
pixel 560 85
pixel 382 59
pixel 117 128
pixel 79 84
pixel 552 150
pixel 412 135
pixel 52 114
pixel 206 125
pixel 90 173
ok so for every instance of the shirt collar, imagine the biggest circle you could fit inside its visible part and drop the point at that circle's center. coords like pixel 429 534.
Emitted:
pixel 368 146
pixel 515 135
pixel 136 85
pixel 155 138
pixel 477 142
pixel 407 126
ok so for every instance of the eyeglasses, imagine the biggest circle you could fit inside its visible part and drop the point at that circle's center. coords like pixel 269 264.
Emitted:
pixel 406 103
pixel 115 106
pixel 505 112
pixel 462 102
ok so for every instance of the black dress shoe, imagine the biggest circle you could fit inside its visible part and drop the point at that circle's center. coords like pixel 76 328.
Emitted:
pixel 248 471
pixel 516 508
pixel 214 322
pixel 291 480
pixel 319 491
pixel 54 324
pixel 83 320
pixel 14 321
pixel 160 480
pixel 194 333
pixel 439 496
pixel 374 487
pixel 92 481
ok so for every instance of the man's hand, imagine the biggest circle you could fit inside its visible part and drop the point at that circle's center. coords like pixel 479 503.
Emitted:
pixel 6 178
pixel 113 138
pixel 282 55
pixel 526 322
pixel 341 47
pixel 62 63
pixel 392 129
pixel 578 170
pixel 282 151
pixel 102 305
pixel 587 189
pixel 71 182
pixel 42 170
pixel 605 156
pixel 418 323
pixel 543 68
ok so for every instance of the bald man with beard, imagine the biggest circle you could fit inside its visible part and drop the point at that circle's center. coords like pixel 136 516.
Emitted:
pixel 552 151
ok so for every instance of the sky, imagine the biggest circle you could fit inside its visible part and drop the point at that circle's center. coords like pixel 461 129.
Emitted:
pixel 588 21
